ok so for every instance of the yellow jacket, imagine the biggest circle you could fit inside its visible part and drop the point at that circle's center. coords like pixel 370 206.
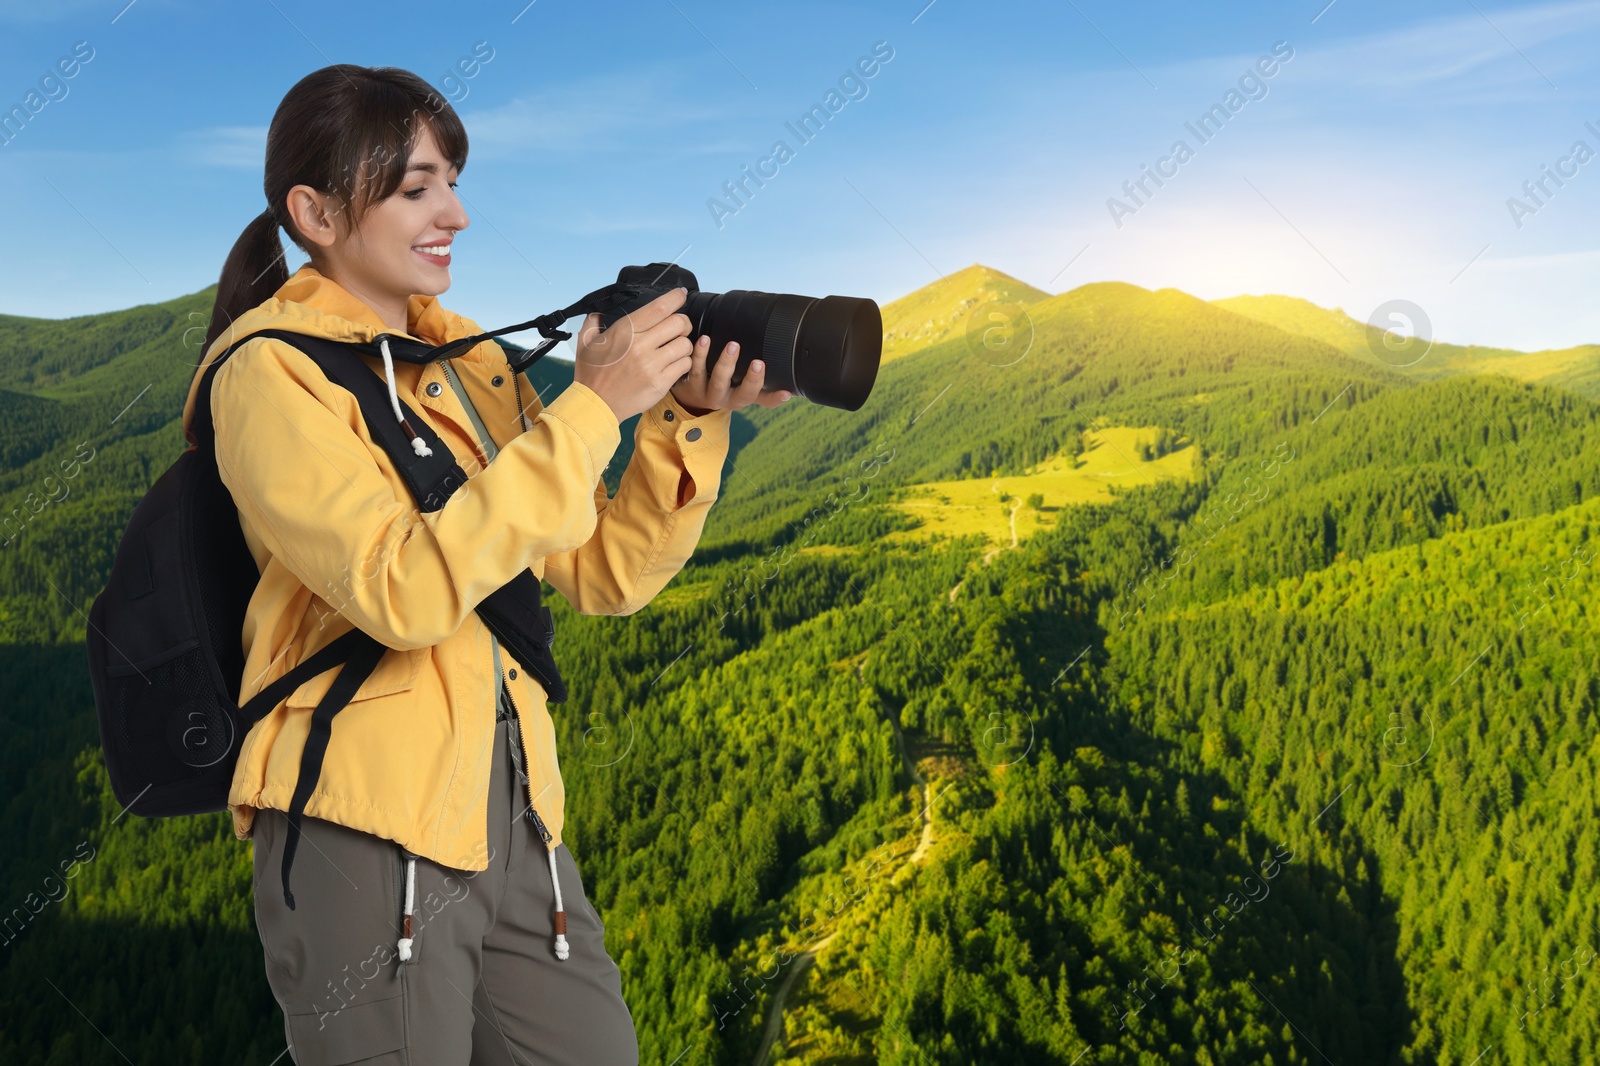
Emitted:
pixel 339 542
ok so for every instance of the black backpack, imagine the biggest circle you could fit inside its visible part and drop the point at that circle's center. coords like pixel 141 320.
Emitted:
pixel 164 638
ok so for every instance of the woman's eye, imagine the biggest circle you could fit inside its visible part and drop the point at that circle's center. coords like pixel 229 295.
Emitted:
pixel 416 194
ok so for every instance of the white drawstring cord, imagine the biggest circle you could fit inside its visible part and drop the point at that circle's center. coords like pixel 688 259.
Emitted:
pixel 418 445
pixel 411 895
pixel 562 951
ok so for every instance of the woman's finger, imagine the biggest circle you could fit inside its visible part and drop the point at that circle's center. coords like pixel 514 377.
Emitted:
pixel 658 310
pixel 679 367
pixel 665 332
pixel 750 388
pixel 702 347
pixel 722 373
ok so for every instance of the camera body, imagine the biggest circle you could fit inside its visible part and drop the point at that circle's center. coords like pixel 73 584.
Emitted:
pixel 825 349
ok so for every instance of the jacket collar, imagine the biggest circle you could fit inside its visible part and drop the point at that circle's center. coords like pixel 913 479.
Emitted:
pixel 346 317
pixel 311 302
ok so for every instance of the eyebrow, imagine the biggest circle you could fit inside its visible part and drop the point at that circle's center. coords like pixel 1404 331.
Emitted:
pixel 429 168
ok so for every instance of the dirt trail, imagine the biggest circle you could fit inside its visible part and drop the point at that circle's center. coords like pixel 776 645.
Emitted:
pixel 774 1026
pixel 911 768
pixel 992 552
pixel 802 960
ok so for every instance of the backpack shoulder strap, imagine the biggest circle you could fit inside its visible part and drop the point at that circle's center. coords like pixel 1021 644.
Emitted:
pixel 362 662
pixel 432 479
pixel 331 654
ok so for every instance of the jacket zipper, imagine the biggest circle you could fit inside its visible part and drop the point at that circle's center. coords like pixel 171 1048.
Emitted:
pixel 527 782
pixel 490 451
pixel 522 418
pixel 486 443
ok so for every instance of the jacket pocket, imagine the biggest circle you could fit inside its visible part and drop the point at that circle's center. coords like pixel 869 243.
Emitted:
pixel 397 671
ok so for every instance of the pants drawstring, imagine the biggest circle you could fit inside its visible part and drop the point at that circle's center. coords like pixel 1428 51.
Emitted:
pixel 506 713
pixel 562 950
pixel 411 896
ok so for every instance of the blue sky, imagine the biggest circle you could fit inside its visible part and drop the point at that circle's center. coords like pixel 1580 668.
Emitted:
pixel 1375 164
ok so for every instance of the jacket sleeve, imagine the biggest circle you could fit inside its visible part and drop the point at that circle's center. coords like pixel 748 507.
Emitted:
pixel 645 534
pixel 290 448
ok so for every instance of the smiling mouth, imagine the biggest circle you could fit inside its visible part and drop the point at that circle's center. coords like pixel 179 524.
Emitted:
pixel 434 253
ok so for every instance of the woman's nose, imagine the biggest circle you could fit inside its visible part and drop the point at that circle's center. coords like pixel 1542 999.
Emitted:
pixel 455 216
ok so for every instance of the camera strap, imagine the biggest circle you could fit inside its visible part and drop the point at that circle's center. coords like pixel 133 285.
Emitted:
pixel 602 300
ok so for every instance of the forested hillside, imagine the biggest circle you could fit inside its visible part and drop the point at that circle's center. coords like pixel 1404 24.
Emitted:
pixel 1292 761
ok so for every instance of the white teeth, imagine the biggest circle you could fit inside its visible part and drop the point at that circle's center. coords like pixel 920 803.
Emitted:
pixel 440 250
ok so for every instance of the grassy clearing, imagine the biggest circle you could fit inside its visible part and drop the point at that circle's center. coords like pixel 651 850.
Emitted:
pixel 1111 457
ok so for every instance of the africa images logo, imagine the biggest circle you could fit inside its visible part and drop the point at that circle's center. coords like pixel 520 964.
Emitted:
pixel 1252 85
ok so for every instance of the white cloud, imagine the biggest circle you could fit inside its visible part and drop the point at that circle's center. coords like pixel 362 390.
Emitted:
pixel 620 111
pixel 1492 57
pixel 244 147
pixel 1586 259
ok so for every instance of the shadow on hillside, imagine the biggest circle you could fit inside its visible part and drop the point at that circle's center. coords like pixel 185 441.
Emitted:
pixel 1320 947
pixel 46 708
pixel 192 993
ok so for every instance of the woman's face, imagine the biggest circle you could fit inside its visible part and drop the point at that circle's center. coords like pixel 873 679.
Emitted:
pixel 403 244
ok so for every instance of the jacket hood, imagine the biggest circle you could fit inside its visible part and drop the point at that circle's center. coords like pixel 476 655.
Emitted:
pixel 312 302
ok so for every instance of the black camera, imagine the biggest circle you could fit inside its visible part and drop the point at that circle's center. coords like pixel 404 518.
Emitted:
pixel 825 349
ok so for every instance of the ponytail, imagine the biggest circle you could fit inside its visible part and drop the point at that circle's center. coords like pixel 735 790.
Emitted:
pixel 254 271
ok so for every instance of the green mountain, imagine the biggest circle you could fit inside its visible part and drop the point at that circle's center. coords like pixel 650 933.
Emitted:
pixel 952 306
pixel 1289 760
pixel 1575 369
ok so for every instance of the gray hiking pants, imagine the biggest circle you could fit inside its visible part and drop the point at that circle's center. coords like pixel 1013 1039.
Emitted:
pixel 483 984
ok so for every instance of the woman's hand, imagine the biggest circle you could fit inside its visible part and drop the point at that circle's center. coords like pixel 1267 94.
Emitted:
pixel 632 364
pixel 701 392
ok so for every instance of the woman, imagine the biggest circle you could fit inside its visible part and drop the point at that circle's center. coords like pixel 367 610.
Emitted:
pixel 438 916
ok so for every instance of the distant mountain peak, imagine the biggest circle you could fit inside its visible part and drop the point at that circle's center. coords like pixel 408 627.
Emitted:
pixel 942 309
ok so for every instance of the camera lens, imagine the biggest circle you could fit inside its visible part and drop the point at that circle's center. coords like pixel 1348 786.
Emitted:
pixel 825 349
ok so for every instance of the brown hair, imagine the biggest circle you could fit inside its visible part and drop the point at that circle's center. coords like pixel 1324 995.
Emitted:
pixel 349 131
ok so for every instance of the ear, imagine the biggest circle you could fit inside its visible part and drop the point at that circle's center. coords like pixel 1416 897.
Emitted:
pixel 315 215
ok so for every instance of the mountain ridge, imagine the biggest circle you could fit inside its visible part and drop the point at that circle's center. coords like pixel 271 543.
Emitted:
pixel 1576 368
pixel 914 322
